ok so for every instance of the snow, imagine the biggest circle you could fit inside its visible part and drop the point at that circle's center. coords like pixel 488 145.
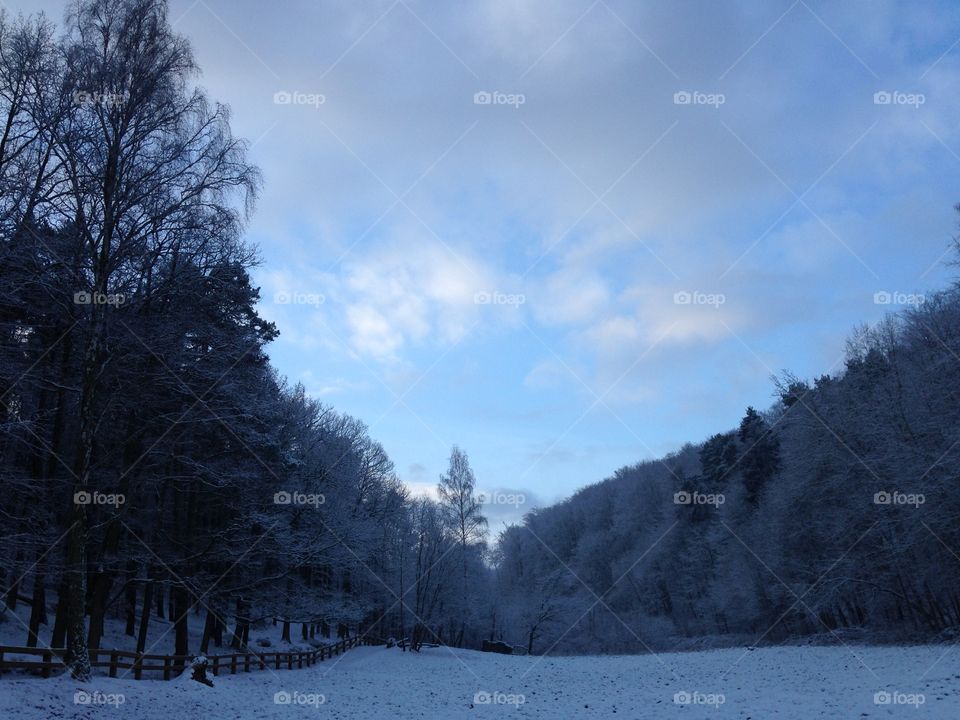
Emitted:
pixel 788 683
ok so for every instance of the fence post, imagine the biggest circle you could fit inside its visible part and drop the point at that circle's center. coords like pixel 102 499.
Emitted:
pixel 138 666
pixel 277 658
pixel 289 661
pixel 246 662
pixel 47 659
pixel 216 665
pixel 167 660
pixel 113 663
pixel 233 664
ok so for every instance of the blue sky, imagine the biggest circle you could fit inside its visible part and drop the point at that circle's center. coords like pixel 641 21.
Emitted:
pixel 581 200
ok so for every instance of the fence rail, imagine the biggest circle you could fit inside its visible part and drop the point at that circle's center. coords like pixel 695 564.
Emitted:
pixel 51 659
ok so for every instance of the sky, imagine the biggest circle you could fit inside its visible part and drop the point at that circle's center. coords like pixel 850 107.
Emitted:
pixel 570 235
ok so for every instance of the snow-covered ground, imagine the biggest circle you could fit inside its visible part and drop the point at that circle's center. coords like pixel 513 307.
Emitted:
pixel 785 682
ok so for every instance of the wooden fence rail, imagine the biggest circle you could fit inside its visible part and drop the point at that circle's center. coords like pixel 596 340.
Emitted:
pixel 51 659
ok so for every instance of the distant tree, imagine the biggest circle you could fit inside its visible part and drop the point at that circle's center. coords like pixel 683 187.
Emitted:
pixel 462 512
pixel 759 454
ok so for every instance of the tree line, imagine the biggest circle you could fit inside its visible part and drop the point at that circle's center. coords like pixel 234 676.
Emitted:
pixel 153 464
pixel 833 513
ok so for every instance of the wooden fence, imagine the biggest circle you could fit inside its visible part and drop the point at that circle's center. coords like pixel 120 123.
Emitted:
pixel 51 659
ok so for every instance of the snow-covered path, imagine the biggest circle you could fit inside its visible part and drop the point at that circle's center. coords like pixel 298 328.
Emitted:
pixel 787 683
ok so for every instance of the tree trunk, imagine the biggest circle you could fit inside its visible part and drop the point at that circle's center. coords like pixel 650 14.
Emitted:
pixel 209 626
pixel 59 637
pixel 102 582
pixel 160 602
pixel 145 615
pixel 181 623
pixel 37 609
pixel 14 590
pixel 131 594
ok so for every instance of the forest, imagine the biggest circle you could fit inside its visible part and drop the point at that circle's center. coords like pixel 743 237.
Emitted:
pixel 154 464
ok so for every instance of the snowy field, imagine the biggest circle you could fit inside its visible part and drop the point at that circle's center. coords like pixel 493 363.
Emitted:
pixel 785 683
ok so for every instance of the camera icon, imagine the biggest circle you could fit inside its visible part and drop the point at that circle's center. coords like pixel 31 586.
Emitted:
pixel 882 498
pixel 682 498
pixel 682 298
pixel 482 698
pixel 282 298
pixel 882 698
pixel 282 698
pixel 282 498
pixel 81 298
pixel 282 98
pixel 684 97
pixel 882 97
pixel 482 298
pixel 82 497
pixel 82 697
pixel 882 298
pixel 682 698
pixel 482 98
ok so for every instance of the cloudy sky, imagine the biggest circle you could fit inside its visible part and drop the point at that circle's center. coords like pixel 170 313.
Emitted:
pixel 569 235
